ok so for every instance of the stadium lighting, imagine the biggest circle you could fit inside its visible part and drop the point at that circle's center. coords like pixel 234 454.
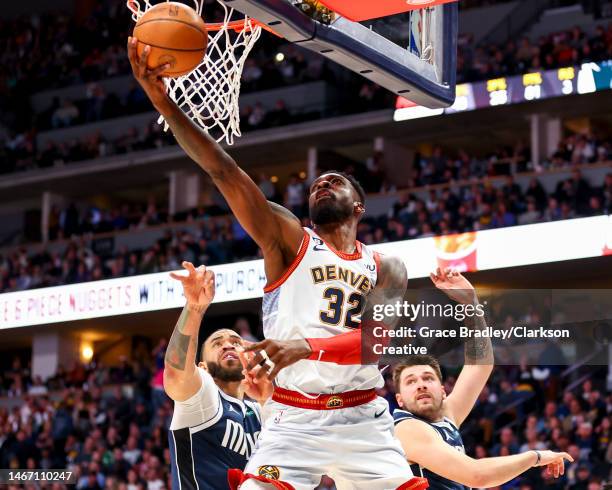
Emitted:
pixel 87 352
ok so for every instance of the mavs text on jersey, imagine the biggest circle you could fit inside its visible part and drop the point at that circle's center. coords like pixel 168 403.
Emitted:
pixel 210 433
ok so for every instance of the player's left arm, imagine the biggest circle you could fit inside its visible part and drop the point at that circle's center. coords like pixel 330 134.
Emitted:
pixel 181 377
pixel 479 357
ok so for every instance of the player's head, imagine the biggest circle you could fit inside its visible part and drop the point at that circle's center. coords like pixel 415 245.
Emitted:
pixel 220 357
pixel 335 197
pixel 419 388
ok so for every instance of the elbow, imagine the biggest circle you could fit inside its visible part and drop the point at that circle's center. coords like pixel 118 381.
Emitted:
pixel 172 376
pixel 476 476
pixel 481 478
pixel 225 170
pixel 477 480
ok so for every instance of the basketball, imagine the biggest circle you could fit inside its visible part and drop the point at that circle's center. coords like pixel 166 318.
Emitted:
pixel 176 34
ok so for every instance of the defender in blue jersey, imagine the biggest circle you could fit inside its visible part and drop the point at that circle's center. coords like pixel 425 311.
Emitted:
pixel 427 423
pixel 213 428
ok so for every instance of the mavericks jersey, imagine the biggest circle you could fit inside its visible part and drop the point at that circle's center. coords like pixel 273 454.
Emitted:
pixel 210 433
pixel 450 434
pixel 322 294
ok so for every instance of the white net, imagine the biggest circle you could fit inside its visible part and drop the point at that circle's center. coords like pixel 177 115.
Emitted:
pixel 209 94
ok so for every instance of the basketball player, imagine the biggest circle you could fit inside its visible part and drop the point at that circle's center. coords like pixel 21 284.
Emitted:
pixel 213 428
pixel 324 417
pixel 428 422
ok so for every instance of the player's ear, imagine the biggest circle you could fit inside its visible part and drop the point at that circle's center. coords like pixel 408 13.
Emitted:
pixel 359 207
pixel 399 400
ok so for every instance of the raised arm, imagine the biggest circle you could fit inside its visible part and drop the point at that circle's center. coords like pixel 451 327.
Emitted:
pixel 277 233
pixel 424 446
pixel 479 358
pixel 181 377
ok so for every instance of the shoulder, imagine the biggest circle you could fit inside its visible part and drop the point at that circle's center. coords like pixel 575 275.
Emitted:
pixel 392 272
pixel 206 377
pixel 401 415
pixel 284 213
pixel 409 427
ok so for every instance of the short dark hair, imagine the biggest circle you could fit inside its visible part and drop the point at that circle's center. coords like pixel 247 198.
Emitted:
pixel 209 336
pixel 354 182
pixel 416 360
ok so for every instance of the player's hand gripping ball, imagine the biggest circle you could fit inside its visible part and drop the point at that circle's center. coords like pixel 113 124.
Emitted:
pixel 176 35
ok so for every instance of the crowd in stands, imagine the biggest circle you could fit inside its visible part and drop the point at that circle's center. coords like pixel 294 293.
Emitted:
pixel 108 424
pixel 217 238
pixel 41 52
pixel 573 149
pixel 555 50
pixel 21 152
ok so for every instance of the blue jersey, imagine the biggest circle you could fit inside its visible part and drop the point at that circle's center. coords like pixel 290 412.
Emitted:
pixel 209 434
pixel 449 434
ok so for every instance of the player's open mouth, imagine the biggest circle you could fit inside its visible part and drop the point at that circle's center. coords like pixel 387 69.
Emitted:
pixel 230 356
pixel 424 396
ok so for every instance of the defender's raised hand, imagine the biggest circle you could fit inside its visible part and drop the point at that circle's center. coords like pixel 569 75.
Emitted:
pixel 149 78
pixel 456 287
pixel 198 285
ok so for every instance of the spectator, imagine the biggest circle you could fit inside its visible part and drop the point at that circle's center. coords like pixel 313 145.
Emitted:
pixel 294 196
pixel 65 115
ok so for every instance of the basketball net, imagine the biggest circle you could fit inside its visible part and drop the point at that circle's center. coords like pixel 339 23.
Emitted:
pixel 209 94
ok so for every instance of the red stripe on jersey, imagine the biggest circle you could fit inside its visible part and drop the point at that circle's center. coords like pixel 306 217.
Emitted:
pixel 292 267
pixel 356 255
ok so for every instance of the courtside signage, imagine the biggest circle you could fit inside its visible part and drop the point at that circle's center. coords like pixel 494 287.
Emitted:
pixel 473 251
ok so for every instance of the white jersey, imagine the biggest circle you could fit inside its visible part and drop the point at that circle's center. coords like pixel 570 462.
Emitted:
pixel 322 294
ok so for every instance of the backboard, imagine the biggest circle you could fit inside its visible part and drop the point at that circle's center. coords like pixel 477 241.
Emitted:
pixel 407 46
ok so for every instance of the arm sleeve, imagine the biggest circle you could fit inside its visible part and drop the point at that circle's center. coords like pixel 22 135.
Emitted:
pixel 355 347
pixel 341 349
pixel 201 408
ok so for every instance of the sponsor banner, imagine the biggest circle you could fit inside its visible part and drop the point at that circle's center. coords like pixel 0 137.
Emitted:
pixel 148 292
pixel 473 251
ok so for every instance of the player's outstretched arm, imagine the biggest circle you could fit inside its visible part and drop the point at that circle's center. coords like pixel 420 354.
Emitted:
pixel 424 446
pixel 277 233
pixel 479 357
pixel 181 377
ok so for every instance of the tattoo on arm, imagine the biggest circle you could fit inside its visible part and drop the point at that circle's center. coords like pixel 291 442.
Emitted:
pixel 478 350
pixel 176 352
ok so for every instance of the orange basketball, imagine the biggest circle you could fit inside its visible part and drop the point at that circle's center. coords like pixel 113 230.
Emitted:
pixel 177 35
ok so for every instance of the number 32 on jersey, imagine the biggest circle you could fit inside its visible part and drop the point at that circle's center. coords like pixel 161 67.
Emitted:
pixel 339 309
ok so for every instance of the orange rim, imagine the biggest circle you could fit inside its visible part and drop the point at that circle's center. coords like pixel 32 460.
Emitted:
pixel 239 26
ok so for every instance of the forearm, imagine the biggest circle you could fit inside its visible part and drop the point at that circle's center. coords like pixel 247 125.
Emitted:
pixel 350 348
pixel 200 147
pixel 340 349
pixel 491 472
pixel 183 345
pixel 478 350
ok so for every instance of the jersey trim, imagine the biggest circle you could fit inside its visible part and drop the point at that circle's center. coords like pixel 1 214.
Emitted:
pixel 356 255
pixel 300 255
